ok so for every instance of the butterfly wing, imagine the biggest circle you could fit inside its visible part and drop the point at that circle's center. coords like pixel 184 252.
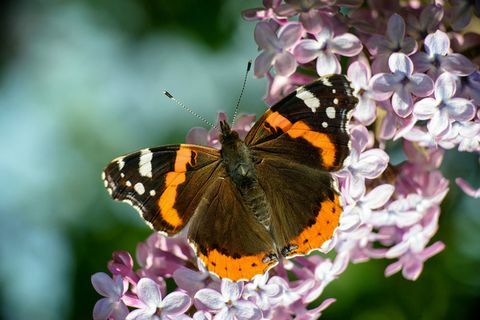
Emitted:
pixel 299 141
pixel 227 237
pixel 309 126
pixel 164 184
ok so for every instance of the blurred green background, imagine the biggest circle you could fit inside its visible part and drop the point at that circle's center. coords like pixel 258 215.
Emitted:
pixel 81 83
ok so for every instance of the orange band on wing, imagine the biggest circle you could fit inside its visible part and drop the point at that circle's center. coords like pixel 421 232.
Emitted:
pixel 277 121
pixel 314 236
pixel 242 268
pixel 317 139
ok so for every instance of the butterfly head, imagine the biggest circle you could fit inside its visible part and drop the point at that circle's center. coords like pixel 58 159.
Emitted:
pixel 226 133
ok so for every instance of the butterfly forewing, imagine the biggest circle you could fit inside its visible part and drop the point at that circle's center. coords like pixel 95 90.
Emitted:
pixel 164 184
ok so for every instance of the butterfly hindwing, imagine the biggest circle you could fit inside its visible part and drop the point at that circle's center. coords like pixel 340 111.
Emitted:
pixel 309 126
pixel 227 237
pixel 305 211
pixel 164 184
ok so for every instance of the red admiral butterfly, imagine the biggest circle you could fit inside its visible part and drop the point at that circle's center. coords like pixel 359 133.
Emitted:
pixel 253 201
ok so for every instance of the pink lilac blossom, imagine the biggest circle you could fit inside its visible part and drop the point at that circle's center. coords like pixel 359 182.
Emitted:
pixel 412 85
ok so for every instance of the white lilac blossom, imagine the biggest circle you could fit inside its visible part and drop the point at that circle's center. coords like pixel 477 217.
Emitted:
pixel 391 211
pixel 401 84
pixel 442 110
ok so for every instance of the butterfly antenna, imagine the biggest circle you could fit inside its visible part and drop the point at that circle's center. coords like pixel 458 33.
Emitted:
pixel 187 108
pixel 249 65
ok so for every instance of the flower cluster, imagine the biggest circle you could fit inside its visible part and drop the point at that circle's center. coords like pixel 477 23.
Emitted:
pixel 415 82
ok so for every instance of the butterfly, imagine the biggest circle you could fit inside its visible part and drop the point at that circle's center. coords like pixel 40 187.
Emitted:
pixel 254 201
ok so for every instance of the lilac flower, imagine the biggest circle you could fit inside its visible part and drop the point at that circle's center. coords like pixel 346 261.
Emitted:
pixel 275 48
pixel 228 304
pixel 359 244
pixel 313 13
pixel 466 135
pixel 391 125
pixel 467 188
pixel 279 86
pixel 412 263
pixel 359 74
pixel 156 307
pixel 381 47
pixel 361 164
pixel 324 47
pixel 437 58
pixel 325 272
pixel 262 13
pixel 402 213
pixel 261 291
pixel 444 109
pixel 401 83
pixel 112 305
pixel 360 211
pixel 122 264
pixel 191 281
pixel 430 17
pixel 469 87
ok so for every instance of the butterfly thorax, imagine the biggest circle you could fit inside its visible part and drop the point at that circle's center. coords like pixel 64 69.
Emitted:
pixel 240 167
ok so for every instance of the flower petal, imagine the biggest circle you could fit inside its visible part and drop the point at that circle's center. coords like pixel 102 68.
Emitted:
pixel 148 291
pixel 372 163
pixel 106 286
pixel 140 314
pixel 365 111
pixel 395 29
pixel 399 62
pixel 210 298
pixel 285 64
pixel 327 63
pixel 197 135
pixel 402 102
pixel 437 43
pixel 383 85
pixel 346 44
pixel 289 34
pixel 359 74
pixel 247 310
pixel 457 64
pixel 445 86
pixel 439 123
pixel 102 309
pixel 420 85
pixel 421 61
pixel 263 63
pixel 176 303
pixel 265 36
pixel 378 196
pixel 231 290
pixel 425 108
pixel 467 188
pixel 307 50
pixel 460 109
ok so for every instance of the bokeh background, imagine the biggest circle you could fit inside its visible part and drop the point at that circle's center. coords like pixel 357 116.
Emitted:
pixel 81 82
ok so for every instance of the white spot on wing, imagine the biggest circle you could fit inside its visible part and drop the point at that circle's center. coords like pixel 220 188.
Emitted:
pixel 335 101
pixel 152 193
pixel 121 163
pixel 145 163
pixel 324 124
pixel 334 91
pixel 139 188
pixel 308 98
pixel 128 183
pixel 330 111
pixel 327 82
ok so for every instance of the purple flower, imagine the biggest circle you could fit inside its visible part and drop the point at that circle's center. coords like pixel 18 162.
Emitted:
pixel 313 13
pixel 122 264
pixel 401 84
pixel 279 86
pixel 402 213
pixel 360 211
pixel 444 109
pixel 428 22
pixel 154 307
pixel 437 58
pixel 229 303
pixel 262 13
pixel 261 291
pixel 361 164
pixel 324 47
pixel 359 74
pixel 412 264
pixel 391 125
pixel 381 47
pixel 469 87
pixel 275 49
pixel 467 188
pixel 112 305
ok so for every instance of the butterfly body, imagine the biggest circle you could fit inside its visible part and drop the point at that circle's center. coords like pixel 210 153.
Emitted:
pixel 253 201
